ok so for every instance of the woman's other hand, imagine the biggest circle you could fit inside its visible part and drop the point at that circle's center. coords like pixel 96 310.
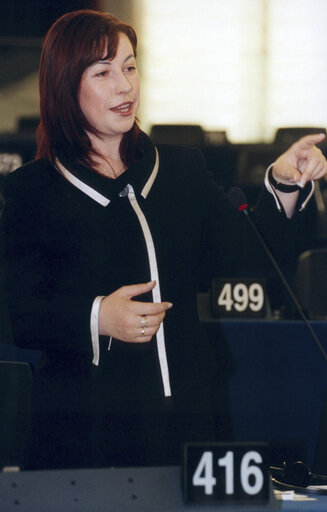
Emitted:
pixel 302 162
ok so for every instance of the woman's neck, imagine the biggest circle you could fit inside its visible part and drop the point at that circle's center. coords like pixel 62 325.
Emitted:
pixel 107 160
pixel 109 166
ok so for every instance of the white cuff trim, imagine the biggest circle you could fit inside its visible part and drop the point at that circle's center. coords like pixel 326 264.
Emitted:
pixel 272 191
pixel 94 326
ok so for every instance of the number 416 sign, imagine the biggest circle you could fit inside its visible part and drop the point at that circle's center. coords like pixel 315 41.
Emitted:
pixel 226 473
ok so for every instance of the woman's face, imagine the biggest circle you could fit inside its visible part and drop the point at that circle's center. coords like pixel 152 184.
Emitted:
pixel 110 91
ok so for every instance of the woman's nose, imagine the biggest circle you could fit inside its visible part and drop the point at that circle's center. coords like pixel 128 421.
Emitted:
pixel 123 84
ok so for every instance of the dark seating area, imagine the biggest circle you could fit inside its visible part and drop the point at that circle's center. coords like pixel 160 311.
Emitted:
pixel 232 164
pixel 241 165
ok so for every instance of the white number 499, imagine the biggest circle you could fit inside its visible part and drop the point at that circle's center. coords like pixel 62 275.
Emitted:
pixel 241 297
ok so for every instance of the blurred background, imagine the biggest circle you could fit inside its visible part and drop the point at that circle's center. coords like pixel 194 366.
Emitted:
pixel 242 79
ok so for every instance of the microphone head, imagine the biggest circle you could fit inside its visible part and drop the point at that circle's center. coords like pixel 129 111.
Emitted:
pixel 238 199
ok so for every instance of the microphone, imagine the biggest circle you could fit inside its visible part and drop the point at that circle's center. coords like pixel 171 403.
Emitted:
pixel 298 476
pixel 238 200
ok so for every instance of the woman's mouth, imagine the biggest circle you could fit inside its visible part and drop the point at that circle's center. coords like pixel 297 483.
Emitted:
pixel 124 108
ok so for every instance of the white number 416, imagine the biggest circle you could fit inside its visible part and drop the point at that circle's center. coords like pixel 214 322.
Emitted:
pixel 252 478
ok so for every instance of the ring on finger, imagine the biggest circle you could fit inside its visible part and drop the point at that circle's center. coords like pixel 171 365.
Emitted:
pixel 142 331
pixel 144 321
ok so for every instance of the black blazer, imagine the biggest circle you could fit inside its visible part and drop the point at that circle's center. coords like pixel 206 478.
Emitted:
pixel 63 249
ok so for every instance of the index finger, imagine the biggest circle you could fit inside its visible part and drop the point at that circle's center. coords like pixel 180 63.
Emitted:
pixel 151 308
pixel 308 141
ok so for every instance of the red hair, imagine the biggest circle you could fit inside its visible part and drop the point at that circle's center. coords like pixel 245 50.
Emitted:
pixel 74 42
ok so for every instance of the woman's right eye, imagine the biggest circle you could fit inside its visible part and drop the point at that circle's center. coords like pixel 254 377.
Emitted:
pixel 102 73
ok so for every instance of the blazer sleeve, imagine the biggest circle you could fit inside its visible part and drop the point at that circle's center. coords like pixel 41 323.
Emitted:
pixel 42 316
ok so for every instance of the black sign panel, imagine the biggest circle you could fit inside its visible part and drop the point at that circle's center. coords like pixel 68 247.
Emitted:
pixel 226 473
pixel 239 298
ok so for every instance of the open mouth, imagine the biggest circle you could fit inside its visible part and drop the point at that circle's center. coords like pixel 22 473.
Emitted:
pixel 124 108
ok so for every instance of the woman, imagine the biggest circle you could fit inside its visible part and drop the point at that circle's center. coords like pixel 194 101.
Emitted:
pixel 107 240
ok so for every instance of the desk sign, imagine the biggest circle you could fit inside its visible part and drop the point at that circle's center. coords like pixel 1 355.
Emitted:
pixel 239 298
pixel 226 473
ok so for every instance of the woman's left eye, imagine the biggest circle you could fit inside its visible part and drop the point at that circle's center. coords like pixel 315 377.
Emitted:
pixel 130 68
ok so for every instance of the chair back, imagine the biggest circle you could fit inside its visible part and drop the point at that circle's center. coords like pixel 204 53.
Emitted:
pixel 311 283
pixel 15 412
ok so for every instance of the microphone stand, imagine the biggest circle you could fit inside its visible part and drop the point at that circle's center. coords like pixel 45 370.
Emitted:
pixel 244 209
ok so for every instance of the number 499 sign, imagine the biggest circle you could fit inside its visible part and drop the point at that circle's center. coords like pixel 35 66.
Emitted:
pixel 226 473
pixel 239 298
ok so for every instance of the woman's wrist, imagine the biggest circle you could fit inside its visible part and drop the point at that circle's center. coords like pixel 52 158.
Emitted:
pixel 282 187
